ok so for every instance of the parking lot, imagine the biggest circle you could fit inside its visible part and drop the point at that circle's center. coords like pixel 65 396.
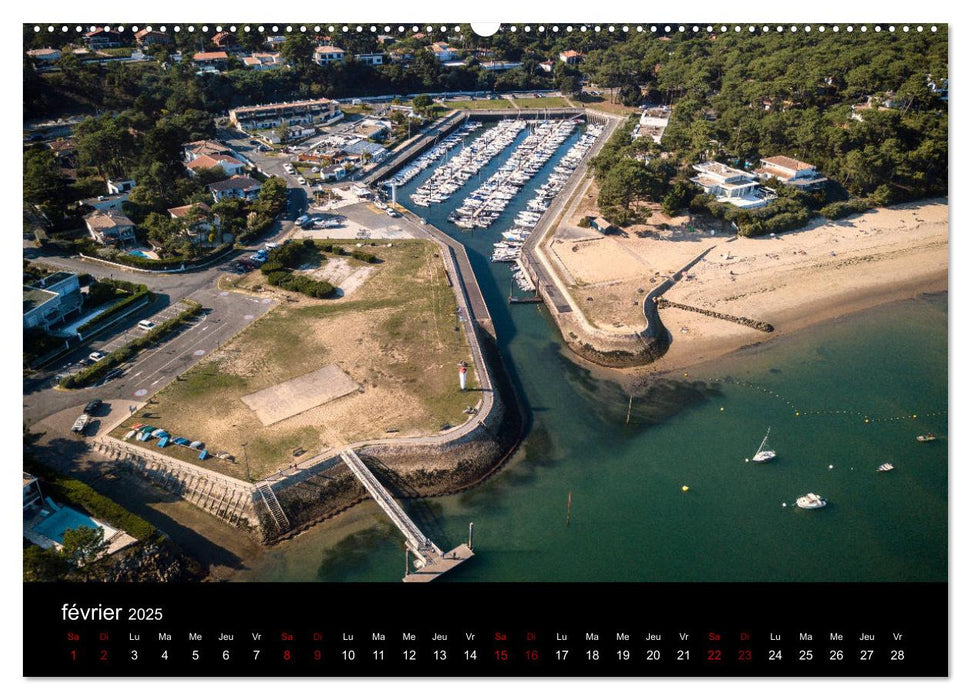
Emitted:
pixel 225 315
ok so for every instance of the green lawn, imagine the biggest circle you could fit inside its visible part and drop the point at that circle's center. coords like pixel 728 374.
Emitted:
pixel 472 105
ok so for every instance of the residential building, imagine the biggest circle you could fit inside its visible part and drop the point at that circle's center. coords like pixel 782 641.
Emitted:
pixel 120 186
pixel 229 165
pixel 371 59
pixel 547 66
pixel 51 300
pixel 235 188
pixel 274 42
pixel 333 172
pixel 145 37
pixel 110 227
pixel 103 203
pixel 325 55
pixel 652 123
pixel 293 133
pixel 44 55
pixel 198 223
pixel 224 40
pixel 212 61
pixel 385 39
pixel 790 172
pixel 194 149
pixel 65 152
pixel 443 52
pixel 730 185
pixel 273 115
pixel 264 61
pixel 401 56
pixel 32 493
pixel 571 57
pixel 102 38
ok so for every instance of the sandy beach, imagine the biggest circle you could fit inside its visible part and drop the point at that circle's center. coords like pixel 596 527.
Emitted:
pixel 791 280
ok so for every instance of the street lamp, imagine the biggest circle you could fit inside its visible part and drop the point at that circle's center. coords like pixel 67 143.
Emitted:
pixel 246 461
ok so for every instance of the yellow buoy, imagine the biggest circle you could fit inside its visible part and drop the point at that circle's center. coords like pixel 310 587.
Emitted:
pixel 797 413
pixel 684 488
pixel 722 408
pixel 867 420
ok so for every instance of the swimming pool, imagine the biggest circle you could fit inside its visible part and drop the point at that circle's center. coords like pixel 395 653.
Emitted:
pixel 137 253
pixel 55 524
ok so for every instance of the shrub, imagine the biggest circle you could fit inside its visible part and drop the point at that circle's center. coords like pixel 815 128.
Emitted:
pixel 839 210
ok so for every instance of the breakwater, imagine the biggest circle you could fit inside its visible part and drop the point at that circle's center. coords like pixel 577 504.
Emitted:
pixel 741 320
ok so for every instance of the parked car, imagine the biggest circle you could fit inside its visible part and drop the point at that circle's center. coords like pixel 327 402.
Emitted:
pixel 301 220
pixel 146 325
pixel 97 356
pixel 80 424
pixel 91 406
pixel 111 375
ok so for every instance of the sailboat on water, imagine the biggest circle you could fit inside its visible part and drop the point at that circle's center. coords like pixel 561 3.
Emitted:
pixel 764 454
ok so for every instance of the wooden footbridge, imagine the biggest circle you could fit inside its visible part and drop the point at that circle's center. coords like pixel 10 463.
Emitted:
pixel 430 561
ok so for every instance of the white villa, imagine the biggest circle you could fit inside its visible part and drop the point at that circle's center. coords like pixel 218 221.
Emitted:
pixel 730 185
pixel 790 172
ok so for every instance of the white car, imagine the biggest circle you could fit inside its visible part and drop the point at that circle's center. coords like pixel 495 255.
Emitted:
pixel 301 220
pixel 97 356
pixel 146 325
pixel 301 181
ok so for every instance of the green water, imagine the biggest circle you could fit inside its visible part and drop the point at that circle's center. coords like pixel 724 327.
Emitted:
pixel 630 519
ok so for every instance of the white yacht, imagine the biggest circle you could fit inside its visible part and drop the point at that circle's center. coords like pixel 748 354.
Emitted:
pixel 810 501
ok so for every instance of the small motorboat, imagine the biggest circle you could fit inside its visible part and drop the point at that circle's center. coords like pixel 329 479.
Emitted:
pixel 810 501
pixel 885 467
pixel 928 437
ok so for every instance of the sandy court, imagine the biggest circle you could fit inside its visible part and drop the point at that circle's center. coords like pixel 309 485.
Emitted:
pixel 281 401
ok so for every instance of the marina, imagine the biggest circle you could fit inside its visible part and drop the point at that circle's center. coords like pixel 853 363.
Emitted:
pixel 433 155
pixel 481 208
pixel 626 474
pixel 450 176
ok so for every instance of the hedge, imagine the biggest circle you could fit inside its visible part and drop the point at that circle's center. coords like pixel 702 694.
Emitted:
pixel 102 367
pixel 116 308
pixel 838 210
pixel 74 492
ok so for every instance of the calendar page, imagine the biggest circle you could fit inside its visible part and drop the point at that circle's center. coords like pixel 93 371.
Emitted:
pixel 440 349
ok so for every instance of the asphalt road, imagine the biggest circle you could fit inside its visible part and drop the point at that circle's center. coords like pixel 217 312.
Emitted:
pixel 154 368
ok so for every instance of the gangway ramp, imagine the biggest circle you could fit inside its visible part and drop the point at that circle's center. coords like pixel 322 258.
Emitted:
pixel 432 560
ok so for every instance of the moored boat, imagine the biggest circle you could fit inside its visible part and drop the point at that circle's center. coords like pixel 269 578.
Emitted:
pixel 763 454
pixel 810 501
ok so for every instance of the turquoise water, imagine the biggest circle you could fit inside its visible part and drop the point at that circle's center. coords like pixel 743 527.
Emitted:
pixel 56 524
pixel 630 519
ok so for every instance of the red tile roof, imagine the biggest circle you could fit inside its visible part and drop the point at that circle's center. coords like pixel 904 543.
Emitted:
pixel 210 56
